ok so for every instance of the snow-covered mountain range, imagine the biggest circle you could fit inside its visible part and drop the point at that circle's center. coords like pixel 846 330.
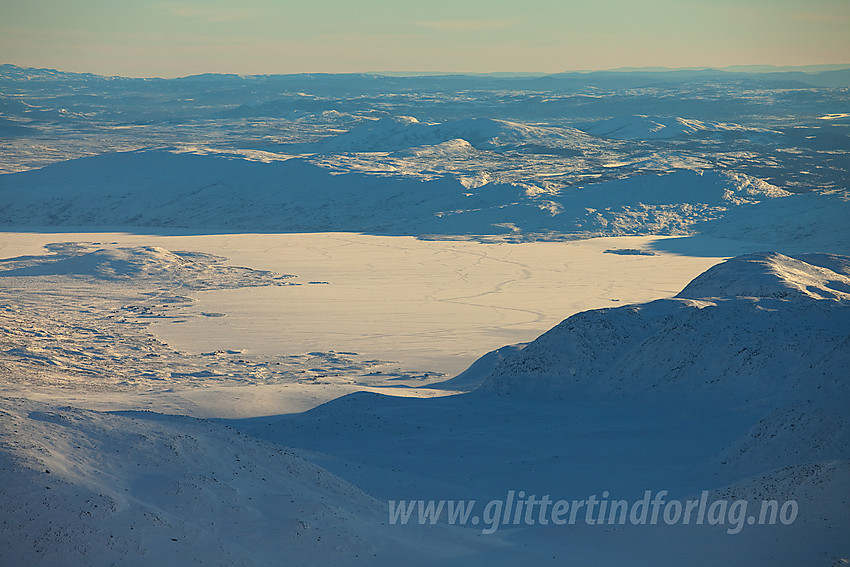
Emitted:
pixel 211 192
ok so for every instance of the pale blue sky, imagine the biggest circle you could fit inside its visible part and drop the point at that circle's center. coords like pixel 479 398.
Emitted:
pixel 167 39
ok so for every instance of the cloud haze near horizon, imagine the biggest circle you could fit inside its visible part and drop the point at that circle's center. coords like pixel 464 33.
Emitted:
pixel 168 39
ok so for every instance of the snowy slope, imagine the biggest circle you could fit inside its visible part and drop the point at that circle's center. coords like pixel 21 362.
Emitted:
pixel 160 188
pixel 801 223
pixel 89 488
pixel 644 127
pixel 805 276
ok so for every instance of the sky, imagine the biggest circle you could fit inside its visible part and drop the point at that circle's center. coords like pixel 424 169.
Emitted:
pixel 157 38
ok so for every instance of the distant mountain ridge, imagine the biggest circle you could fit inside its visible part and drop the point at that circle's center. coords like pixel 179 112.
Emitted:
pixel 819 76
pixel 159 188
pixel 645 127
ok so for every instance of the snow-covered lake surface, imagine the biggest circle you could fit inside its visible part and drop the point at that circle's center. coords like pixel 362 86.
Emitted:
pixel 434 305
pixel 244 319
pixel 431 308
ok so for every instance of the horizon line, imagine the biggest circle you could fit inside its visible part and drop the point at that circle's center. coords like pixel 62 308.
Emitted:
pixel 737 68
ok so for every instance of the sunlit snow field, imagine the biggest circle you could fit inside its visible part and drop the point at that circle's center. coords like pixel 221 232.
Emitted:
pixel 430 307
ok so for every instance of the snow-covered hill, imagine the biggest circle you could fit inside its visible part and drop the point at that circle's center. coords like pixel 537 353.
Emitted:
pixel 814 276
pixel 212 192
pixel 393 133
pixel 763 331
pixel 152 265
pixel 754 326
pixel 644 127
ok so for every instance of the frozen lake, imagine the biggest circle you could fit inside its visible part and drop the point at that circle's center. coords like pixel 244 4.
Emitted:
pixel 432 305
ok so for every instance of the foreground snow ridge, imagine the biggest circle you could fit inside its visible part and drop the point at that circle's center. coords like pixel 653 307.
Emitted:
pixel 763 324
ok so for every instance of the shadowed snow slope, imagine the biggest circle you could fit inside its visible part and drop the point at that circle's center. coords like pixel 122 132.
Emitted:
pixel 803 222
pixel 164 189
pixel 88 488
